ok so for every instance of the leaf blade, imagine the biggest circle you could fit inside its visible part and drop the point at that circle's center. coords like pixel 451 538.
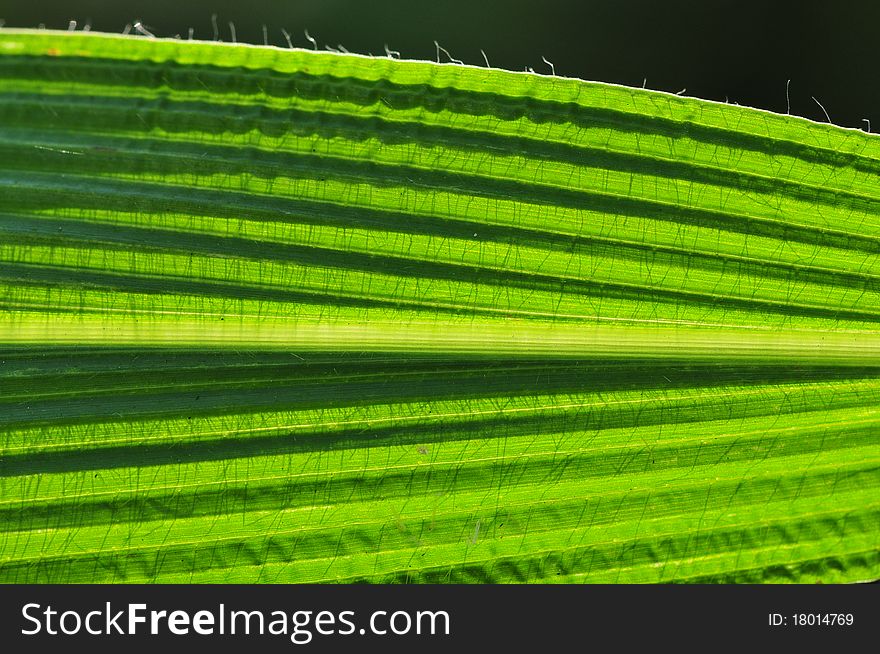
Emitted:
pixel 290 316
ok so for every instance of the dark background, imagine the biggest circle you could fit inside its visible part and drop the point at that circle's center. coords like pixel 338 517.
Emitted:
pixel 739 50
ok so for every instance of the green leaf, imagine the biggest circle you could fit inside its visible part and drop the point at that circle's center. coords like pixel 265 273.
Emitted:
pixel 291 316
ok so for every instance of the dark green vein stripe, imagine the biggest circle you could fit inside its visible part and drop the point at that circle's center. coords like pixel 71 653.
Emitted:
pixel 198 121
pixel 265 83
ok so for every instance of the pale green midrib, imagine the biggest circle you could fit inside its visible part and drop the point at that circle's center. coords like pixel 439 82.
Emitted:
pixel 458 141
pixel 731 344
